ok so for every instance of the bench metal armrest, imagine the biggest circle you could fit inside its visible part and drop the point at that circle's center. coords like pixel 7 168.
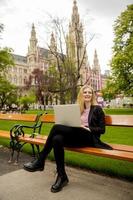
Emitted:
pixel 18 129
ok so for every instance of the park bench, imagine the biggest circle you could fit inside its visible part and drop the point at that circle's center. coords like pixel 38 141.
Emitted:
pixel 18 137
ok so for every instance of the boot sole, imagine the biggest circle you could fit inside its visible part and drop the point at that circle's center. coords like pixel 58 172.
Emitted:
pixel 33 170
pixel 64 184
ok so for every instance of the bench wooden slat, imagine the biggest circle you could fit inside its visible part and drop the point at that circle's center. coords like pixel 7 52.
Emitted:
pixel 4 134
pixel 38 141
pixel 119 120
pixel 110 120
pixel 41 140
pixel 114 154
pixel 48 118
pixel 122 147
pixel 19 117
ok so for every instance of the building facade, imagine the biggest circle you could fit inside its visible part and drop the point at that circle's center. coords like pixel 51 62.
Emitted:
pixel 41 58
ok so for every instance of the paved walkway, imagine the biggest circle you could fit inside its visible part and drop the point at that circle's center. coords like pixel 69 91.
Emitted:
pixel 18 184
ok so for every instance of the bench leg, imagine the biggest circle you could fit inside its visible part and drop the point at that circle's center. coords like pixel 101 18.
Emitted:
pixel 17 157
pixel 12 148
pixel 18 148
pixel 33 151
pixel 11 156
pixel 38 150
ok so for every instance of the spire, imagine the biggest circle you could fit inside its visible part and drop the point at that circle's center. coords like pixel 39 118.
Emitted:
pixel 53 45
pixel 76 28
pixel 33 40
pixel 75 14
pixel 53 49
pixel 96 65
pixel 75 39
pixel 33 32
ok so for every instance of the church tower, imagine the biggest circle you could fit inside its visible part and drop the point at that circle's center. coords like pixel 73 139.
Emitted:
pixel 53 45
pixel 96 73
pixel 75 35
pixel 76 48
pixel 96 66
pixel 53 49
pixel 32 50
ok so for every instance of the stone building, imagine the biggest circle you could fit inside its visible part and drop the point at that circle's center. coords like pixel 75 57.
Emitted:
pixel 41 58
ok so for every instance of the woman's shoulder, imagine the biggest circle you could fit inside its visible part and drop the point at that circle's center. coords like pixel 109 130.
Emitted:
pixel 97 108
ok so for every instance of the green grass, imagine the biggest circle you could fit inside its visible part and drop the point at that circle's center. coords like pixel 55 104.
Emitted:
pixel 110 111
pixel 119 111
pixel 111 167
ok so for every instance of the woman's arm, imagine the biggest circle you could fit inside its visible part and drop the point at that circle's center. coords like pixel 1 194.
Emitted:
pixel 97 121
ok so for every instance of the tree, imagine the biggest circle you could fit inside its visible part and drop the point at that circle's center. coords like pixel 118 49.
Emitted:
pixel 6 59
pixel 38 81
pixel 109 92
pixel 25 101
pixel 8 94
pixel 122 61
pixel 67 64
pixel 58 71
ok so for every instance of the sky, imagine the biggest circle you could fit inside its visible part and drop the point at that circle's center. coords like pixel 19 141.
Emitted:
pixel 97 17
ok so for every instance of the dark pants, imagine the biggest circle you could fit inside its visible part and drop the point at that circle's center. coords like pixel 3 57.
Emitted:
pixel 64 136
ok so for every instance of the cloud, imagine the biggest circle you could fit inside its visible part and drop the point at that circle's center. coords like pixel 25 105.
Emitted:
pixel 106 8
pixel 3 3
pixel 97 16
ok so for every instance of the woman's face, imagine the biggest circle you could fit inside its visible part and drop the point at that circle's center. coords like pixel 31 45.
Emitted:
pixel 87 95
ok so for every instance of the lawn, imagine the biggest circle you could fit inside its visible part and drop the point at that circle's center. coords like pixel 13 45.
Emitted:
pixel 110 111
pixel 115 168
pixel 119 111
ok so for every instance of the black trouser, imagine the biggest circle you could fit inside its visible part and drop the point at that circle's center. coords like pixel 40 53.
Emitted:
pixel 64 136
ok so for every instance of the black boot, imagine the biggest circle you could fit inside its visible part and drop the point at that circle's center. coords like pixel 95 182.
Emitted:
pixel 60 182
pixel 35 165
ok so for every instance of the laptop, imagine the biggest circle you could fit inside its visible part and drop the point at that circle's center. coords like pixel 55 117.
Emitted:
pixel 68 114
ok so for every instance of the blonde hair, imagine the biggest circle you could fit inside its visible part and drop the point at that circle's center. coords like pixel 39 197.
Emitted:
pixel 80 100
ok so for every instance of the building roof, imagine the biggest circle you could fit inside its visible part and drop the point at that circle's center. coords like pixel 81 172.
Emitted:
pixel 20 59
pixel 43 52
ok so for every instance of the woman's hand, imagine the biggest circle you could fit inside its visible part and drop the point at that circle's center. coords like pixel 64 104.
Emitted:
pixel 87 128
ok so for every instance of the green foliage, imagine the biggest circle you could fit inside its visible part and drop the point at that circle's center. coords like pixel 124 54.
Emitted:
pixel 8 93
pixel 110 90
pixel 122 61
pixel 65 77
pixel 6 59
pixel 25 101
pixel 53 77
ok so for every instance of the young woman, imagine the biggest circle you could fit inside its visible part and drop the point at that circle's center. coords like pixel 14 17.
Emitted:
pixel 60 136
